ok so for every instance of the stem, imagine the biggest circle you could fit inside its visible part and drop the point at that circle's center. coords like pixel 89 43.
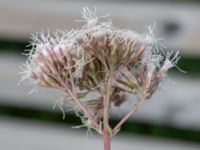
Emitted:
pixel 133 110
pixel 106 127
pixel 77 101
pixel 85 111
pixel 106 104
pixel 106 140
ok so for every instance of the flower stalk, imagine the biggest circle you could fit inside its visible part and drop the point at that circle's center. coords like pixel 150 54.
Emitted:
pixel 106 140
pixel 136 106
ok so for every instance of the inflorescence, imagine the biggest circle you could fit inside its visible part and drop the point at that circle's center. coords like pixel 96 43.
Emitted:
pixel 98 58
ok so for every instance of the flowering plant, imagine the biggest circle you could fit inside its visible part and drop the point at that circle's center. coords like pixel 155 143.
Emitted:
pixel 102 59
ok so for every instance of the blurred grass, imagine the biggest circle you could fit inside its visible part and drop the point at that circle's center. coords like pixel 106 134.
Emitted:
pixel 12 46
pixel 130 127
pixel 187 63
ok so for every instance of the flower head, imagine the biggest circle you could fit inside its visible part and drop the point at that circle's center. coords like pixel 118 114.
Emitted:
pixel 97 58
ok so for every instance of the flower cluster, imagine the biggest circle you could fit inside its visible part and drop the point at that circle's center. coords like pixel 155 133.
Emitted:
pixel 98 58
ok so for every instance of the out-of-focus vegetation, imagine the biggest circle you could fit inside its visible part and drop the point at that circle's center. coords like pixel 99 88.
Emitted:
pixel 130 127
pixel 187 63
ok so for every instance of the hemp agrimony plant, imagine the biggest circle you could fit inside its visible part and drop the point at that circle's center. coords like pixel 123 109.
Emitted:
pixel 102 59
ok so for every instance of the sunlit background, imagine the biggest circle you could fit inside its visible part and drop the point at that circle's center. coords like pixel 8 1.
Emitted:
pixel 169 121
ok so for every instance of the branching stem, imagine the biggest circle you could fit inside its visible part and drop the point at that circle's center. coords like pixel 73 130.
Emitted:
pixel 133 110
pixel 85 111
pixel 77 101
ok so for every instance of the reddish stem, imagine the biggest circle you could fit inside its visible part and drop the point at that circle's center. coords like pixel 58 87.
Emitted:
pixel 106 140
pixel 106 134
pixel 123 120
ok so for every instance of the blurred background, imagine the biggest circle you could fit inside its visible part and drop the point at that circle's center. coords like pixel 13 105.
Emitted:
pixel 170 120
